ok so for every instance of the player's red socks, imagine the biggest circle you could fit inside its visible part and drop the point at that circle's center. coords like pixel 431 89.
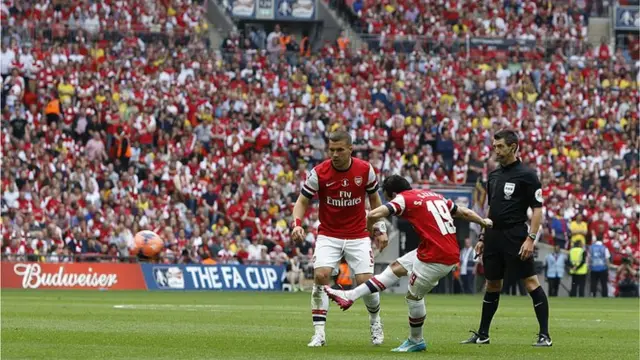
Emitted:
pixel 541 307
pixel 489 308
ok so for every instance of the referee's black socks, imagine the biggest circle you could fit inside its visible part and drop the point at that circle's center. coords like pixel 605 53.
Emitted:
pixel 541 307
pixel 489 308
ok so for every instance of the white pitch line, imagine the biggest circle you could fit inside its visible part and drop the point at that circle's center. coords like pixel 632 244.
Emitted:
pixel 187 307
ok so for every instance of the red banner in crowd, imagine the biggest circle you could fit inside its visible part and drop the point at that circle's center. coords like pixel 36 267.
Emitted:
pixel 89 276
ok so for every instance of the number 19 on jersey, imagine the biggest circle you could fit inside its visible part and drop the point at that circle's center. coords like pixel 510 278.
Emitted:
pixel 440 212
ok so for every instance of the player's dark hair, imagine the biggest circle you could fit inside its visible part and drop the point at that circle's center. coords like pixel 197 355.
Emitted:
pixel 395 184
pixel 340 135
pixel 510 137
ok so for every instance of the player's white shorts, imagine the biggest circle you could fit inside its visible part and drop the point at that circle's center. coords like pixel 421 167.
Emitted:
pixel 407 260
pixel 357 253
pixel 426 276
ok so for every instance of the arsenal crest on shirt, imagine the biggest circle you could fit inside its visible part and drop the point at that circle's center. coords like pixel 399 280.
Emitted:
pixel 358 180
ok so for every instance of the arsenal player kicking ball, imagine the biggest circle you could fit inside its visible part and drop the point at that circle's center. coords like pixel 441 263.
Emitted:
pixel 437 255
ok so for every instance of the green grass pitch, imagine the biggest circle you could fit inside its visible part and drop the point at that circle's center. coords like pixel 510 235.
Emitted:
pixel 234 325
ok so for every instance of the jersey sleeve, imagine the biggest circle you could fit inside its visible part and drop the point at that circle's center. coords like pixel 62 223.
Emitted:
pixel 453 208
pixel 534 193
pixel 397 205
pixel 372 181
pixel 310 186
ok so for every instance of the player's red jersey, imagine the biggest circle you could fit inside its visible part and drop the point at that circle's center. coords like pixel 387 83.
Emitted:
pixel 342 197
pixel 430 215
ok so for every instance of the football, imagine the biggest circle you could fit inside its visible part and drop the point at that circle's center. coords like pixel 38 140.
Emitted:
pixel 148 243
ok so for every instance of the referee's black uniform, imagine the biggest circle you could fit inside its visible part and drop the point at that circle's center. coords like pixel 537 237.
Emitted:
pixel 511 191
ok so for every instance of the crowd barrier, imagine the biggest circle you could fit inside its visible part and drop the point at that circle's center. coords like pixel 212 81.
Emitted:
pixel 121 276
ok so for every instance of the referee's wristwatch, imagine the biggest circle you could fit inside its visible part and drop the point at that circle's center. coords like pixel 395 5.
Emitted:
pixel 532 236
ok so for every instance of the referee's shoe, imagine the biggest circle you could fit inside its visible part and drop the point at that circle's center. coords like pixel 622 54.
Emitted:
pixel 476 338
pixel 543 341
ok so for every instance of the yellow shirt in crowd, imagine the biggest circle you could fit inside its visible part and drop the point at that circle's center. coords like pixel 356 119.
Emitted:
pixel 575 227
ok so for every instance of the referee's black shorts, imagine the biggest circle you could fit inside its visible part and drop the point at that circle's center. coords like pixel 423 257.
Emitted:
pixel 501 248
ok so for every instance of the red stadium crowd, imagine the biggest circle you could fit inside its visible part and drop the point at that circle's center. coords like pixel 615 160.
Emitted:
pixel 58 17
pixel 458 18
pixel 105 133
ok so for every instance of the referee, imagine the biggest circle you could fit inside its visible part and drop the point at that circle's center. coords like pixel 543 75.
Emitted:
pixel 512 189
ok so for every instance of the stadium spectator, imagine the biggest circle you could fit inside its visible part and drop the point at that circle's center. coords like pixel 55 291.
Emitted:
pixel 599 263
pixel 599 8
pixel 626 278
pixel 559 230
pixel 578 269
pixel 278 256
pixel 344 277
pixel 242 254
pixel 206 260
pixel 555 264
pixel 467 267
pixel 579 230
pixel 295 274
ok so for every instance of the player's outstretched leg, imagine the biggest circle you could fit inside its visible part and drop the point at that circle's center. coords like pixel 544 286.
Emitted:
pixel 380 282
pixel 319 306
pixel 417 315
pixel 541 308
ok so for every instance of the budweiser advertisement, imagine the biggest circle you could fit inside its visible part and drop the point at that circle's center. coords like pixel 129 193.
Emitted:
pixel 89 276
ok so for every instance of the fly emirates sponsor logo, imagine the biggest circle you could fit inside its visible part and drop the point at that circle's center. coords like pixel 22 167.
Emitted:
pixel 344 200
pixel 33 277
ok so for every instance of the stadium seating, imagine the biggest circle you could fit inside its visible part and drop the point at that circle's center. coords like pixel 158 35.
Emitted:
pixel 457 18
pixel 209 150
pixel 64 19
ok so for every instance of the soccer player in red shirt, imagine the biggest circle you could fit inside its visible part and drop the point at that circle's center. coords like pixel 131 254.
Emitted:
pixel 342 184
pixel 437 255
